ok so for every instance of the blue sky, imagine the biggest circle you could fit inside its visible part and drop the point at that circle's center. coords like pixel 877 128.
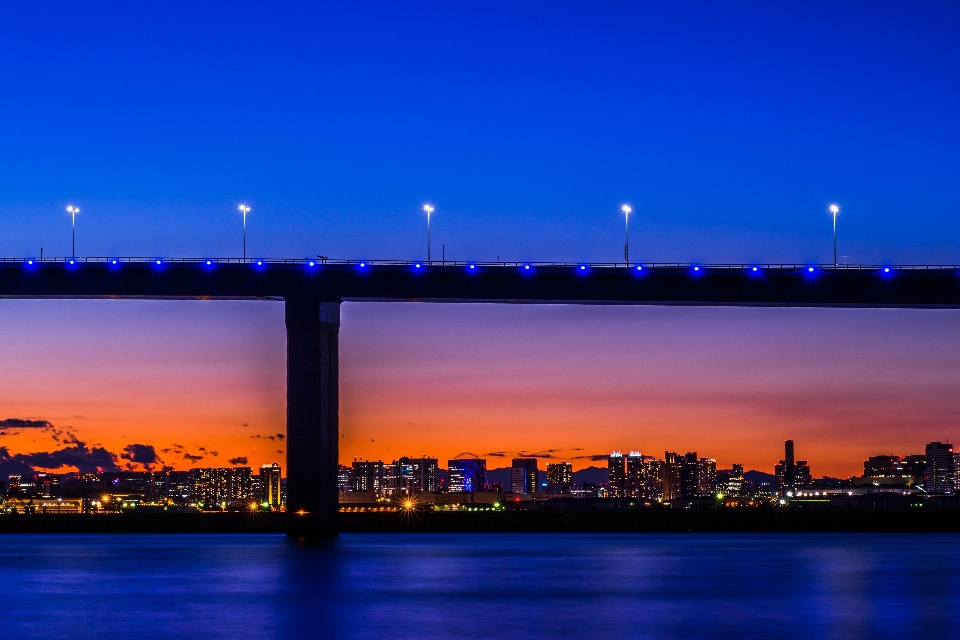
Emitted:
pixel 729 128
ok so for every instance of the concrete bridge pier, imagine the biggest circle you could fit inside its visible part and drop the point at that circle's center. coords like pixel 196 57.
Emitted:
pixel 313 427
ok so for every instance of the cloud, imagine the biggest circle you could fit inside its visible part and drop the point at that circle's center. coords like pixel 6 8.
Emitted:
pixel 13 465
pixel 596 457
pixel 239 460
pixel 280 436
pixel 86 460
pixel 142 453
pixel 497 454
pixel 20 423
pixel 192 458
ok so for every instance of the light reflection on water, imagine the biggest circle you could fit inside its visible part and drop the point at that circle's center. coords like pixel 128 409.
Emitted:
pixel 498 586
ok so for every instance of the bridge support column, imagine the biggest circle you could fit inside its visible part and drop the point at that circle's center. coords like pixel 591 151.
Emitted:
pixel 313 431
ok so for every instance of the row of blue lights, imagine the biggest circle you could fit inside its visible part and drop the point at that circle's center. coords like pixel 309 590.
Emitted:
pixel 419 265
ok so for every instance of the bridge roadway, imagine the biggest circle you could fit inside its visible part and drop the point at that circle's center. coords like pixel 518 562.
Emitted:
pixel 313 290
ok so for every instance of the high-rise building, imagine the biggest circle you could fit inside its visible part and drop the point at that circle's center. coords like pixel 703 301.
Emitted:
pixel 466 474
pixel 368 476
pixel 241 485
pixel 689 474
pixel 940 469
pixel 706 476
pixel 791 474
pixel 211 486
pixel 523 475
pixel 158 486
pixel 616 475
pixel 734 484
pixel 270 484
pixel 180 487
pixel 345 479
pixel 634 476
pixel 559 476
pixel 652 480
pixel 670 476
pixel 422 475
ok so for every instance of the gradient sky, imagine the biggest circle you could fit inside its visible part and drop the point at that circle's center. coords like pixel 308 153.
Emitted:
pixel 729 128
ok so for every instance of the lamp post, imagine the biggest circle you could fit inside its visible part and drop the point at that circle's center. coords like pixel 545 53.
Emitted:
pixel 626 230
pixel 835 210
pixel 73 211
pixel 244 209
pixel 429 209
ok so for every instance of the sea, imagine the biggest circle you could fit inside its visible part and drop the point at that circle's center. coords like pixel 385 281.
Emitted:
pixel 464 586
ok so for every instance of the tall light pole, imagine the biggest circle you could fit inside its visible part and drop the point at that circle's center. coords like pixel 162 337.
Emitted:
pixel 429 209
pixel 835 210
pixel 73 211
pixel 626 229
pixel 244 209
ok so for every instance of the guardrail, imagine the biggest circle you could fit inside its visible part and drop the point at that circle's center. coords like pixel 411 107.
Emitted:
pixel 323 260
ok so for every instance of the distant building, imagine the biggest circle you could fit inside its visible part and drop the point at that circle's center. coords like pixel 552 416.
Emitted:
pixel 241 485
pixel 706 476
pixel 911 469
pixel 211 486
pixel 940 470
pixel 523 475
pixel 345 479
pixel 559 477
pixel 466 475
pixel 634 472
pixel 791 474
pixel 421 474
pixel 652 480
pixel 180 487
pixel 689 474
pixel 270 484
pixel 670 476
pixel 616 475
pixel 368 476
pixel 733 486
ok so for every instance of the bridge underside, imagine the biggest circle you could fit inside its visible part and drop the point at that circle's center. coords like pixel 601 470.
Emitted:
pixel 313 293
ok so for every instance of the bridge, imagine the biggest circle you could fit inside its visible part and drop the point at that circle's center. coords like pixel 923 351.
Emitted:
pixel 313 289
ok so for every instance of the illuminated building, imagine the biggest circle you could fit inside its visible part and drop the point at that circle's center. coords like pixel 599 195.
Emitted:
pixel 733 486
pixel 211 486
pixel 270 484
pixel 157 490
pixel 421 476
pixel 689 474
pixel 616 475
pixel 909 469
pixel 559 476
pixel 368 476
pixel 791 474
pixel 938 480
pixel 344 478
pixel 652 481
pixel 523 475
pixel 633 476
pixel 706 476
pixel 180 487
pixel 670 476
pixel 241 485
pixel 467 474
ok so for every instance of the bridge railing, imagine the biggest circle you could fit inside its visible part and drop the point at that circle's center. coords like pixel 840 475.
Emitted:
pixel 323 260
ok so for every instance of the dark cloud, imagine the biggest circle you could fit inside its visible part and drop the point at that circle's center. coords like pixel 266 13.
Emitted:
pixel 279 450
pixel 192 458
pixel 20 423
pixel 596 457
pixel 280 436
pixel 214 453
pixel 497 454
pixel 142 453
pixel 239 460
pixel 86 460
pixel 244 425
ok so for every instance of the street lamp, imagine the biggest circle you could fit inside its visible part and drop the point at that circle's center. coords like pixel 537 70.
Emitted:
pixel 835 210
pixel 429 209
pixel 626 228
pixel 73 211
pixel 244 209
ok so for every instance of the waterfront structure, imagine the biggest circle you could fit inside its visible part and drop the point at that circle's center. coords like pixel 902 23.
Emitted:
pixel 616 475
pixel 312 314
pixel 939 475
pixel 523 475
pixel 270 485
pixel 467 474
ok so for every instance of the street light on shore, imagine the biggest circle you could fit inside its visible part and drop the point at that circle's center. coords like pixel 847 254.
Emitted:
pixel 835 210
pixel 73 211
pixel 429 209
pixel 627 210
pixel 244 209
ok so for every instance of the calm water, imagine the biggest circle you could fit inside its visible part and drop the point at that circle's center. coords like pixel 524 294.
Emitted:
pixel 466 586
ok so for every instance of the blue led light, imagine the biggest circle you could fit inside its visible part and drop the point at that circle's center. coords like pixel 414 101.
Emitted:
pixel 754 268
pixel 209 263
pixel 418 265
pixel 72 262
pixel 886 269
pixel 526 266
pixel 363 264
pixel 473 266
pixel 259 263
pixel 696 268
pixel 810 269
pixel 29 261
pixel 311 263
pixel 113 261
pixel 639 268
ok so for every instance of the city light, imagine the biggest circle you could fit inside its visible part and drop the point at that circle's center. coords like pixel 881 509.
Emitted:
pixel 244 209
pixel 73 211
pixel 834 209
pixel 627 209
pixel 429 209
